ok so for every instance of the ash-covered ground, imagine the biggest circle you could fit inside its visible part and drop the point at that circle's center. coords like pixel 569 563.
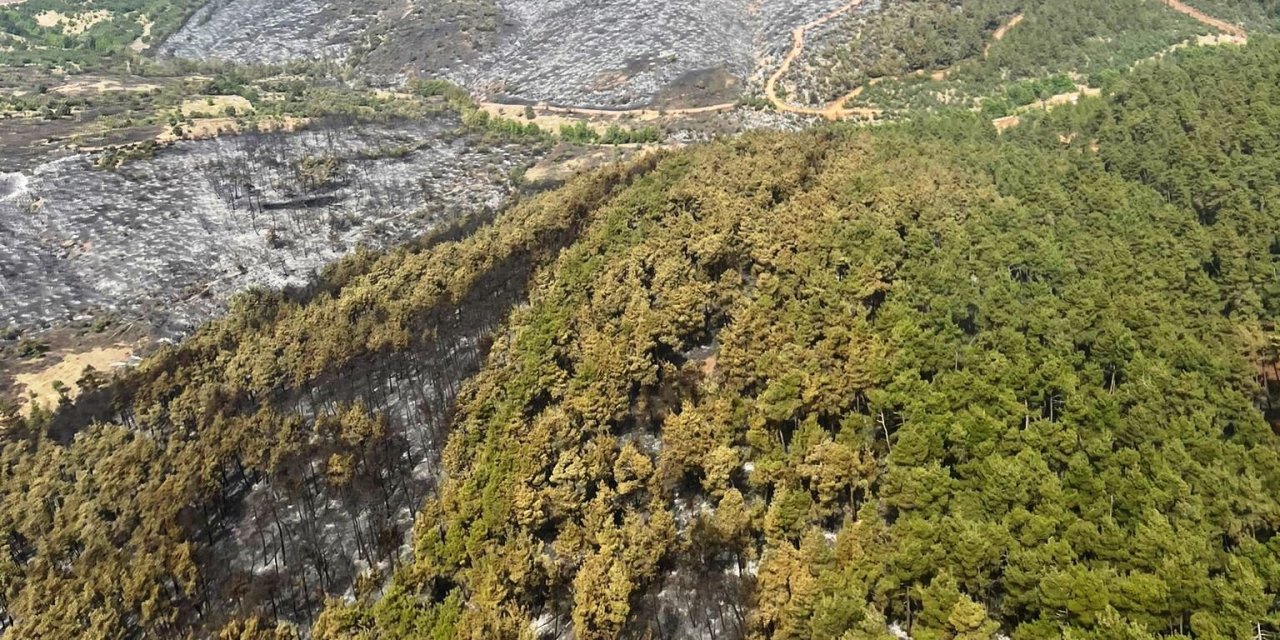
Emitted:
pixel 587 53
pixel 171 238
pixel 624 54
pixel 270 31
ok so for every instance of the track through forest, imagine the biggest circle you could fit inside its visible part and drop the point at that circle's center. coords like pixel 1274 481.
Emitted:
pixel 832 110
pixel 1231 34
pixel 1001 32
pixel 835 110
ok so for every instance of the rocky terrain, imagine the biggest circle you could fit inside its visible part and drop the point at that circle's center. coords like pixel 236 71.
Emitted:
pixel 172 237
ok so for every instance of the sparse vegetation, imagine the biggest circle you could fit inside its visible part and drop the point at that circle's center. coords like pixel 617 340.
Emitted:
pixel 68 33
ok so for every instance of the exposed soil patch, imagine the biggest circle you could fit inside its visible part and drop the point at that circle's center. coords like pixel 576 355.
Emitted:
pixel 215 105
pixel 62 370
pixel 1001 32
pixel 207 128
pixel 567 160
pixel 546 119
pixel 72 25
pixel 144 41
pixel 700 88
pixel 93 85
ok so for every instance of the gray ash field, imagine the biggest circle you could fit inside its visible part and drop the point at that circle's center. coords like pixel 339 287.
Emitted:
pixel 170 239
pixel 622 56
pixel 254 31
pixel 598 53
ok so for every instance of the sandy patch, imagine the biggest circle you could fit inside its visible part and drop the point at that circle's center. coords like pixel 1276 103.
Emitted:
pixel 206 128
pixel 1001 33
pixel 1007 122
pixel 556 167
pixel 554 116
pixel 1208 20
pixel 383 94
pixel 49 19
pixel 67 367
pixel 141 43
pixel 215 106
pixel 85 87
pixel 72 25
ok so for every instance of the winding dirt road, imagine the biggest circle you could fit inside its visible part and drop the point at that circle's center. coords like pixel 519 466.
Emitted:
pixel 835 110
pixel 1229 34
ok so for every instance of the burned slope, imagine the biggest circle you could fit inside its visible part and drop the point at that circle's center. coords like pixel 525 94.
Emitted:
pixel 618 54
pixel 609 54
pixel 170 238
pixel 276 456
pixel 272 31
pixel 814 385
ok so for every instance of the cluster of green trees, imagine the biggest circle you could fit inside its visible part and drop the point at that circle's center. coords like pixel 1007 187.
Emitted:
pixel 799 385
pixel 583 133
pixel 1256 15
pixel 924 375
pixel 1052 38
pixel 95 46
pixel 902 37
pixel 1021 94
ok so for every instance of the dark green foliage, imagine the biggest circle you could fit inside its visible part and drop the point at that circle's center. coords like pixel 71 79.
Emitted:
pixel 981 383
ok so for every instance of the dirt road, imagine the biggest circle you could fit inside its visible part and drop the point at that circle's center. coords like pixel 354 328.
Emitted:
pixel 835 110
pixel 832 110
pixel 1203 18
pixel 1001 33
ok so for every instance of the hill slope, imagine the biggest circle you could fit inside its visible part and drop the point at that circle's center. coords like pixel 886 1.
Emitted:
pixel 788 385
pixel 791 386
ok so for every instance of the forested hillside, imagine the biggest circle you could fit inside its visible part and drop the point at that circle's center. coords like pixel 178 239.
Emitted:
pixel 986 44
pixel 804 385
pixel 800 385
